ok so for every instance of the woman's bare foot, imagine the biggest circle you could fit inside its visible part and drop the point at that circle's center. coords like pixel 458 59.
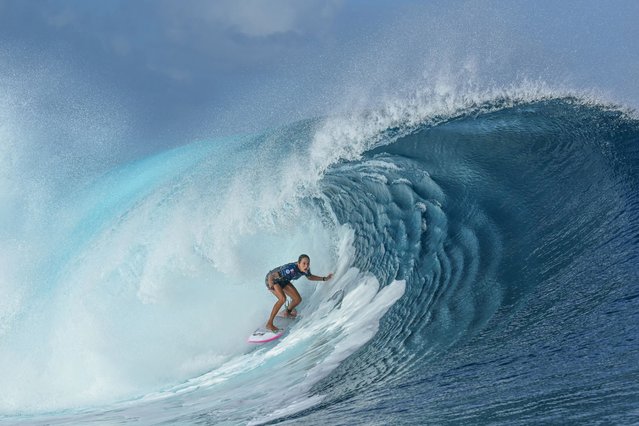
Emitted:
pixel 272 328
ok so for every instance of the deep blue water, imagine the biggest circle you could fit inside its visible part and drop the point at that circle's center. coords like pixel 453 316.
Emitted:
pixel 486 271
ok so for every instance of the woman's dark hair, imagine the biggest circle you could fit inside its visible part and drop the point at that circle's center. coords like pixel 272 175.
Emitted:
pixel 303 256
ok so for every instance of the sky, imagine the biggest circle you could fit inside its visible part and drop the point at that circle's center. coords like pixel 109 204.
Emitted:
pixel 159 73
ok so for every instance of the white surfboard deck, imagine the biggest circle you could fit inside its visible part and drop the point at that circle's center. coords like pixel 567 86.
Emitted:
pixel 262 335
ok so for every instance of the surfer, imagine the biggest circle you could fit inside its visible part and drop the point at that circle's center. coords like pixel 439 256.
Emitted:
pixel 278 281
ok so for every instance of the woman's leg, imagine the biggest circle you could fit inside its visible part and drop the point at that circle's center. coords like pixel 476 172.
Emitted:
pixel 281 298
pixel 292 292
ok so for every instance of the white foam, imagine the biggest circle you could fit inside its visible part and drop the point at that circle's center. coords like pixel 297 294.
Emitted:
pixel 272 381
pixel 347 328
pixel 164 286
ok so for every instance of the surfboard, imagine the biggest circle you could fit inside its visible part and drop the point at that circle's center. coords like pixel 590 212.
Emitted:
pixel 262 335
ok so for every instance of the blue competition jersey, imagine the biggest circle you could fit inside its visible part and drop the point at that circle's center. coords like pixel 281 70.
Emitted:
pixel 289 272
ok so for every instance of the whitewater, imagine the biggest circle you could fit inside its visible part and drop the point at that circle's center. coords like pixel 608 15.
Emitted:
pixel 484 247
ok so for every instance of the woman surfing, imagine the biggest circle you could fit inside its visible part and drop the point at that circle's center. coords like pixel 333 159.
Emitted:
pixel 278 282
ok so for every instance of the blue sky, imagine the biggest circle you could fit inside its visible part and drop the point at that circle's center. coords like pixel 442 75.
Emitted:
pixel 173 71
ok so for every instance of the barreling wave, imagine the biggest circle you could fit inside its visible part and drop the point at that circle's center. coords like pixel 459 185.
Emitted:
pixel 485 256
pixel 516 230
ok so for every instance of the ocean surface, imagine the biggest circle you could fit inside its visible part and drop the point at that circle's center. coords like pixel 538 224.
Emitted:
pixel 486 261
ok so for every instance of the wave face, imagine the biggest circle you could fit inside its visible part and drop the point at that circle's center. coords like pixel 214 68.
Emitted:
pixel 485 260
